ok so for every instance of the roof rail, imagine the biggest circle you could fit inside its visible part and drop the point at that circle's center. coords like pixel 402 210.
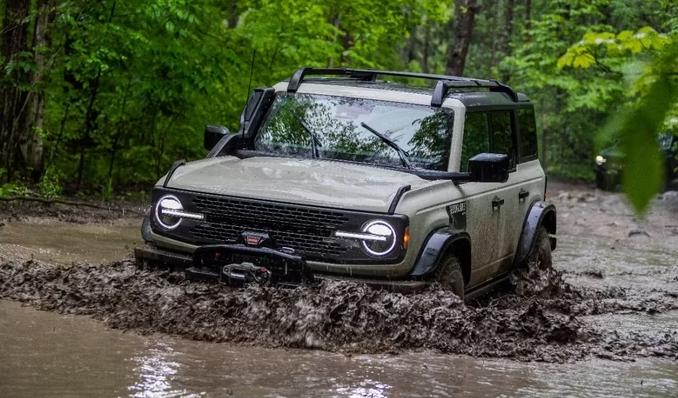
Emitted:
pixel 443 85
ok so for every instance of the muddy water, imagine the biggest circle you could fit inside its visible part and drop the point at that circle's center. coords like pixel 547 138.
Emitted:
pixel 65 243
pixel 620 302
pixel 45 354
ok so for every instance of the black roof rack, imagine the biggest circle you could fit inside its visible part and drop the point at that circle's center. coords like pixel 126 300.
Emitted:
pixel 443 85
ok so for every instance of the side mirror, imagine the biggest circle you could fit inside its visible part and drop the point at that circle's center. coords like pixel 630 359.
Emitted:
pixel 489 167
pixel 213 134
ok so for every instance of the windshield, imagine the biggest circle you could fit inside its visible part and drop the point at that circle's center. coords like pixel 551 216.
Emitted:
pixel 360 130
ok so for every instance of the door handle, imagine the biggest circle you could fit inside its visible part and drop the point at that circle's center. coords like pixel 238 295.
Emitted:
pixel 497 202
pixel 523 194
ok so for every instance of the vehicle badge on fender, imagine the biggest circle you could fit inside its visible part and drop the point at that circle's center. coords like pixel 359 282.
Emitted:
pixel 457 214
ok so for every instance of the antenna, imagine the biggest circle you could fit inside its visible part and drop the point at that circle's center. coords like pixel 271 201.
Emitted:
pixel 247 94
pixel 249 85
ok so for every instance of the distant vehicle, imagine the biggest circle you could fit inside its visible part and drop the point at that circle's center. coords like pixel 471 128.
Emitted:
pixel 339 174
pixel 610 160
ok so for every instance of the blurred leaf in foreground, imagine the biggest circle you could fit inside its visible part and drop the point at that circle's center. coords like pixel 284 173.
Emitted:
pixel 649 60
pixel 639 122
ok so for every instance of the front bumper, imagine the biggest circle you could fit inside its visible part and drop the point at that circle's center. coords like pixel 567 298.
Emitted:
pixel 151 255
pixel 240 264
pixel 394 271
pixel 285 268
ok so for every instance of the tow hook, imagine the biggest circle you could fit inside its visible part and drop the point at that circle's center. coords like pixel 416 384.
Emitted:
pixel 241 274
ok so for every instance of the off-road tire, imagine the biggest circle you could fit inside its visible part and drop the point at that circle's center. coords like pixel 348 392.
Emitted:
pixel 449 276
pixel 535 276
pixel 541 251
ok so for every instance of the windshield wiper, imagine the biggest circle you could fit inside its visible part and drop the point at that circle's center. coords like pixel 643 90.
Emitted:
pixel 315 141
pixel 401 152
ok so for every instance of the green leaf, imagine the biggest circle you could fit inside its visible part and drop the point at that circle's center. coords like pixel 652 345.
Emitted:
pixel 638 124
pixel 583 60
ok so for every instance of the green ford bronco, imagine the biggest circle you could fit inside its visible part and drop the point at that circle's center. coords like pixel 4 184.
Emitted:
pixel 362 175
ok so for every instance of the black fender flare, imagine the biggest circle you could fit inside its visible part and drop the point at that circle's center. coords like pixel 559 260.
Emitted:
pixel 435 247
pixel 146 232
pixel 540 213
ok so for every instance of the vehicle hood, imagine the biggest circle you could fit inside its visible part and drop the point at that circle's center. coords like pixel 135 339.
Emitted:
pixel 305 181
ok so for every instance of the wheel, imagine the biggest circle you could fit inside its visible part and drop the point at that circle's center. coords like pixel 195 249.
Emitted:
pixel 535 275
pixel 600 179
pixel 449 275
pixel 540 254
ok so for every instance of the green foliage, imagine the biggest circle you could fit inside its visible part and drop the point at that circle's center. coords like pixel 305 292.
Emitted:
pixel 129 86
pixel 587 52
pixel 647 59
pixel 50 184
pixel 639 121
pixel 576 172
pixel 107 190
pixel 132 84
pixel 13 189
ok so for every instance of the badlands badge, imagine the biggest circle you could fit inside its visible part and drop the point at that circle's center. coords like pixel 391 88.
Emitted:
pixel 457 214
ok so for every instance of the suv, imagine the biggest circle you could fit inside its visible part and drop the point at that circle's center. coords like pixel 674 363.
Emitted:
pixel 338 173
pixel 610 160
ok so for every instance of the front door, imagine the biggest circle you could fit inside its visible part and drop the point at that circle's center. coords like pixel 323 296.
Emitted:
pixel 490 206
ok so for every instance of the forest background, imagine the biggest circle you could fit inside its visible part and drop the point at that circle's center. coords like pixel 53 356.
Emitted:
pixel 100 97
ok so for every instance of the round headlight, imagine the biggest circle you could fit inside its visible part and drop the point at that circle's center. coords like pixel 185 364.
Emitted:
pixel 600 160
pixel 166 212
pixel 385 238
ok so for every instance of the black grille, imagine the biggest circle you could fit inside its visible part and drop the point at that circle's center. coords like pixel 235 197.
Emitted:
pixel 307 230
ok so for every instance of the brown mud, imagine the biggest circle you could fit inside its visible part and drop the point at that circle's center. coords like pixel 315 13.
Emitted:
pixel 605 271
pixel 29 211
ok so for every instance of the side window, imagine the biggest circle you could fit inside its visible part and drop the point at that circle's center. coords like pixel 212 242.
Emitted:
pixel 528 134
pixel 476 139
pixel 501 134
pixel 489 131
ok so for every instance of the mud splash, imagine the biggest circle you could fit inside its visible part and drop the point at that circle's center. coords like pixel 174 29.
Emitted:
pixel 543 322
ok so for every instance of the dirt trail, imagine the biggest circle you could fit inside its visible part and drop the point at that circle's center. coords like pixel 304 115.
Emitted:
pixel 609 266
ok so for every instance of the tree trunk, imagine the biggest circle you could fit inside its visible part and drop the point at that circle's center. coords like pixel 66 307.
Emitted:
pixel 336 22
pixel 508 27
pixel 461 31
pixel 14 99
pixel 528 14
pixel 493 15
pixel 32 150
pixel 411 46
pixel 91 116
pixel 508 33
pixel 425 52
pixel 233 16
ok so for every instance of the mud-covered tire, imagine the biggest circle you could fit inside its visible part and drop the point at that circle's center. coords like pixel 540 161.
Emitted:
pixel 449 276
pixel 535 276
pixel 541 251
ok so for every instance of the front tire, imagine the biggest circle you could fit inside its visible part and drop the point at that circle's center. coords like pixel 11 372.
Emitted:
pixel 541 251
pixel 535 275
pixel 449 276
